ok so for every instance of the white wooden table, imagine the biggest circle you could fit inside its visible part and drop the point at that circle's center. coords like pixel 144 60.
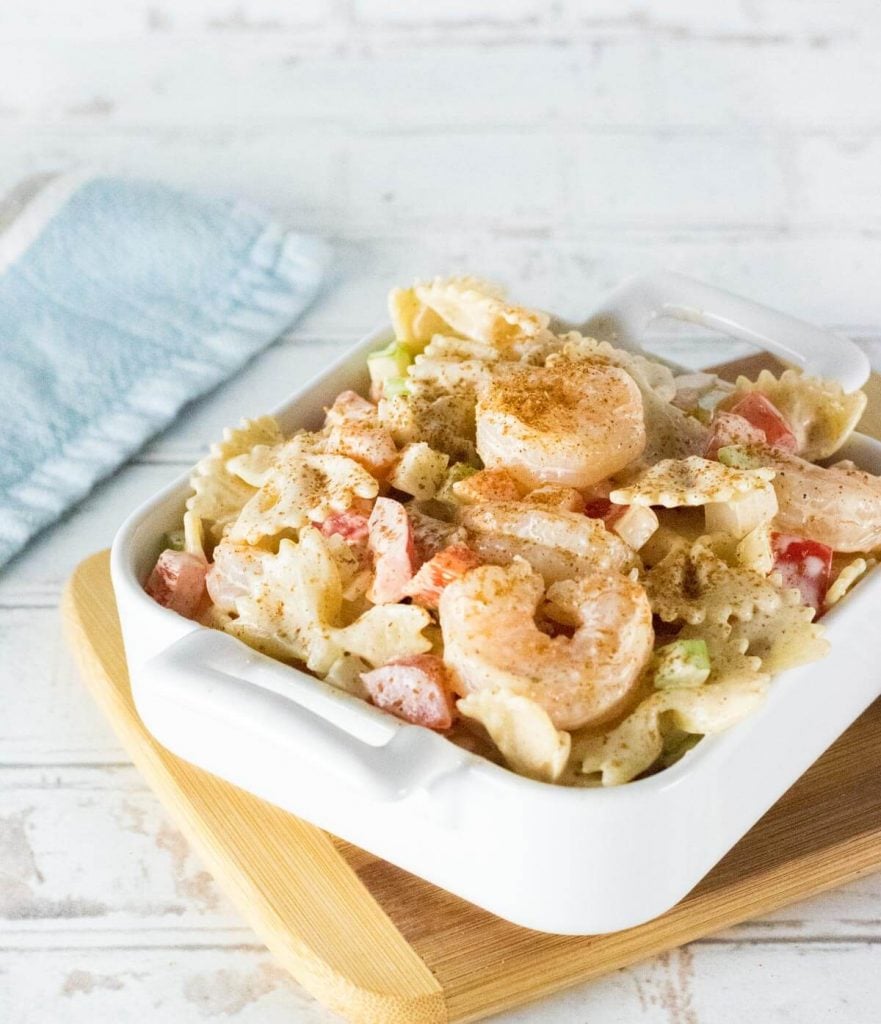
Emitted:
pixel 554 146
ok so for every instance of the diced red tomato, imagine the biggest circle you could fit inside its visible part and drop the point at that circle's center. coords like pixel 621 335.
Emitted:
pixel 602 508
pixel 450 564
pixel 390 539
pixel 352 526
pixel 416 689
pixel 488 485
pixel 805 565
pixel 764 415
pixel 178 582
pixel 731 428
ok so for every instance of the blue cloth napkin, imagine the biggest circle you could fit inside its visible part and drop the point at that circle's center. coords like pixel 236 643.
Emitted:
pixel 120 301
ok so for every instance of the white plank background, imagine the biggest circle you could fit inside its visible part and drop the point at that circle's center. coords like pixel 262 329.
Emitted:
pixel 556 146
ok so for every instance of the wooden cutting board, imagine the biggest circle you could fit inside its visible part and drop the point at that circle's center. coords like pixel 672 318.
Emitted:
pixel 377 944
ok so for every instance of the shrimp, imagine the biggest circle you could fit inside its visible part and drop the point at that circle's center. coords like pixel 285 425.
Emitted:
pixel 560 545
pixel 491 641
pixel 837 506
pixel 572 423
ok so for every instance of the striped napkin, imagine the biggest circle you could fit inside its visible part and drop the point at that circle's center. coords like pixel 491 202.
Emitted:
pixel 120 301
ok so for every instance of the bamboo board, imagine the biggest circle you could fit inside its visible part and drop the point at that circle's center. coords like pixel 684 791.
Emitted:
pixel 379 945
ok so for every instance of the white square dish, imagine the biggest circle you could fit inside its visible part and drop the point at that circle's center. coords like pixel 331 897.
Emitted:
pixel 552 858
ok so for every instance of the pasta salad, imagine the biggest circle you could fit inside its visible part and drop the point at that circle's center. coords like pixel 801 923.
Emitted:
pixel 560 554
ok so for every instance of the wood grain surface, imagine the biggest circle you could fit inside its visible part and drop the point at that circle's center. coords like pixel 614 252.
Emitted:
pixel 321 905
pixel 285 876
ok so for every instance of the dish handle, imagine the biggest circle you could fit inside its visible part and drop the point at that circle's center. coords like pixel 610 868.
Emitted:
pixel 210 674
pixel 629 310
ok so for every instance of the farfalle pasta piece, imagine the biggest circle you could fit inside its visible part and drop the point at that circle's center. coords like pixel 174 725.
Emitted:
pixel 635 745
pixel 254 467
pixel 414 323
pixel 219 494
pixel 478 310
pixel 293 603
pixel 445 348
pixel 445 421
pixel 772 634
pixel 385 632
pixel 729 658
pixel 694 585
pixel 448 376
pixel 647 373
pixel 345 674
pixel 437 406
pixel 674 483
pixel 522 730
pixel 846 579
pixel 352 563
pixel 478 359
pixel 784 637
pixel 194 534
pixel 293 607
pixel 298 488
pixel 819 413
pixel 671 433
pixel 723 545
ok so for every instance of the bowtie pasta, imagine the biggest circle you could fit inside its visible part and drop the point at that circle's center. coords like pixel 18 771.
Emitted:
pixel 561 554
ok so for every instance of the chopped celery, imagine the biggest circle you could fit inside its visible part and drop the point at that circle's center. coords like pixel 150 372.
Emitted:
pixel 389 362
pixel 174 539
pixel 683 663
pixel 393 386
pixel 738 456
pixel 458 471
